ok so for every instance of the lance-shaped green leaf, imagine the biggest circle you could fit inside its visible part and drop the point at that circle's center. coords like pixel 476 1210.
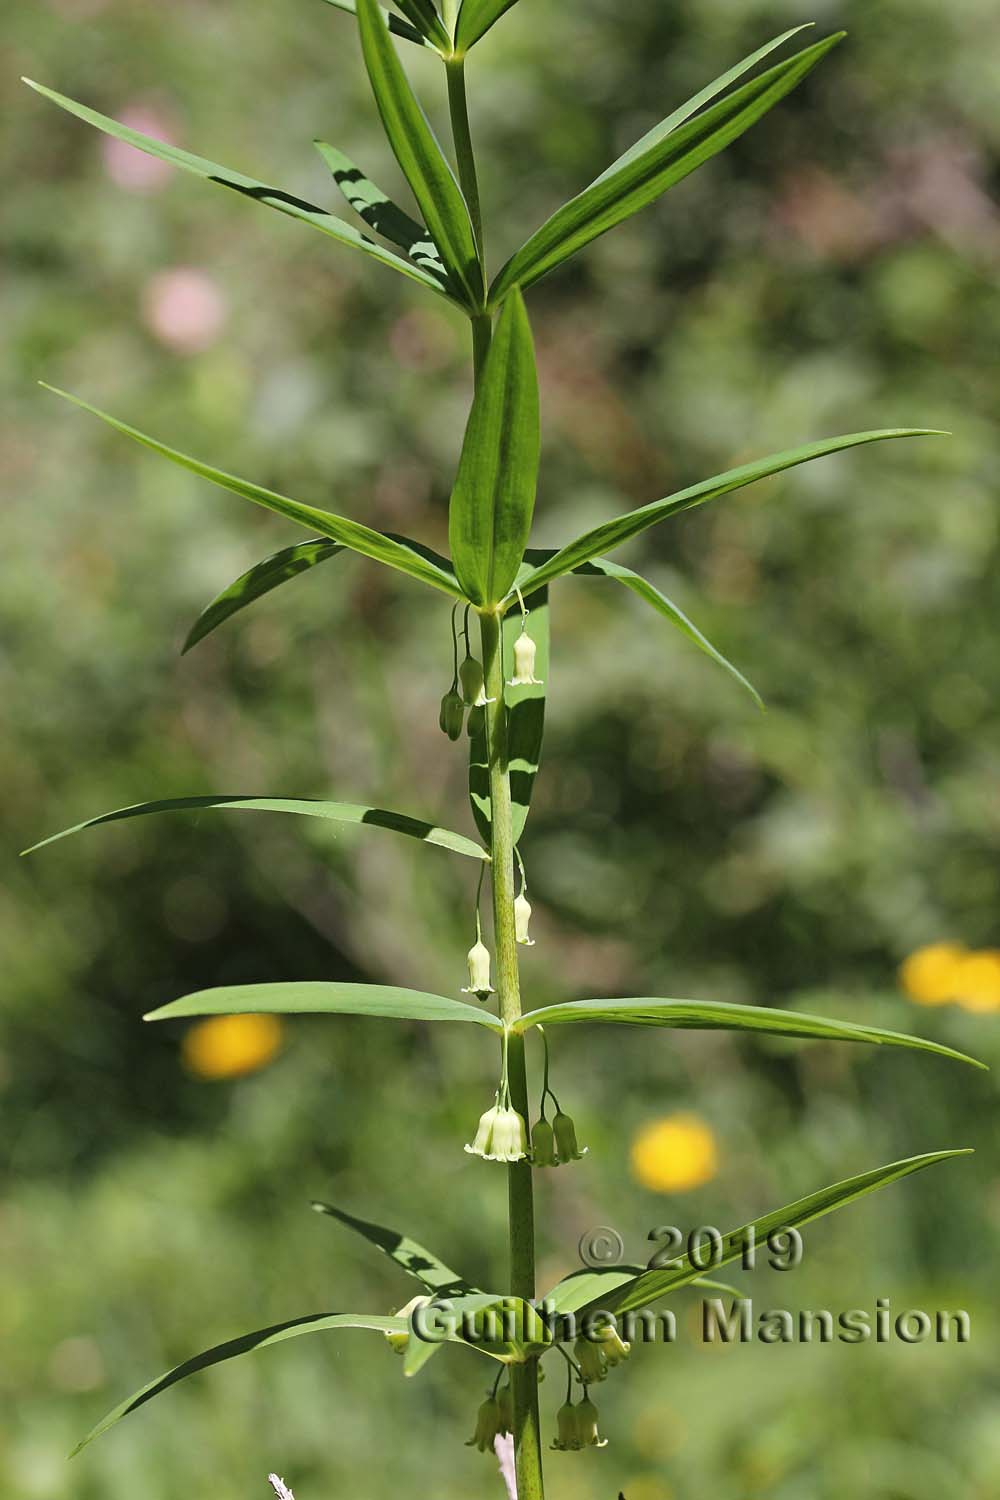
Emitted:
pixel 698 101
pixel 395 23
pixel 380 213
pixel 650 1286
pixel 475 19
pixel 489 519
pixel 423 163
pixel 415 1259
pixel 247 1344
pixel 285 203
pixel 601 567
pixel 258 581
pixel 280 568
pixel 525 725
pixel 335 812
pixel 377 545
pixel 641 176
pixel 319 997
pixel 707 1015
pixel 604 538
pixel 426 22
pixel 582 1287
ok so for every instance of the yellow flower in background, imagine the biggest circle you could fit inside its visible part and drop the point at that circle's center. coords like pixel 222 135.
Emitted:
pixel 977 981
pixel 229 1046
pixel 929 975
pixel 675 1154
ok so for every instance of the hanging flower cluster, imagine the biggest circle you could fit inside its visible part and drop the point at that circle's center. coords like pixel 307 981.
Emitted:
pixel 553 1143
pixel 576 1427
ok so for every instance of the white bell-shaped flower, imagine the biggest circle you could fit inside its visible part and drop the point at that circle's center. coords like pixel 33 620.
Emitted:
pixel 522 916
pixel 479 971
pixel 524 662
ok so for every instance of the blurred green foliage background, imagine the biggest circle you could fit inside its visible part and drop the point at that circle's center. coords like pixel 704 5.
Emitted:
pixel 834 270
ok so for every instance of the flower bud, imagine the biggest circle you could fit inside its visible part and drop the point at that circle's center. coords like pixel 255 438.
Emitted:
pixel 524 662
pixel 479 971
pixel 586 1425
pixel 452 715
pixel 543 1152
pixel 487 1426
pixel 613 1347
pixel 565 1133
pixel 470 674
pixel 522 916
pixel 475 724
pixel 400 1341
pixel 567 1439
pixel 588 1356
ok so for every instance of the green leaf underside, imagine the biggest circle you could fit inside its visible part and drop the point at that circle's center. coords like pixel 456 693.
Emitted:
pixel 285 203
pixel 704 1015
pixel 277 1334
pixel 379 546
pixel 381 214
pixel 492 503
pixel 642 175
pixel 336 812
pixel 650 1286
pixel 475 19
pixel 412 1257
pixel 525 725
pixel 258 581
pixel 323 997
pixel 601 567
pixel 395 23
pixel 421 159
pixel 610 534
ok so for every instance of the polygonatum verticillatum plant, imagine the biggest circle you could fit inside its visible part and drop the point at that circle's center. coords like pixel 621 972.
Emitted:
pixel 495 581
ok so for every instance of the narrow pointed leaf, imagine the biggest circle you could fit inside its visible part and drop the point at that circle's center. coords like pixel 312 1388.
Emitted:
pixel 336 812
pixel 258 581
pixel 525 725
pixel 696 102
pixel 423 163
pixel 638 180
pixel 601 567
pixel 285 203
pixel 425 20
pixel 475 19
pixel 277 1334
pixel 412 1257
pixel 705 1015
pixel 619 529
pixel 381 214
pixel 649 1286
pixel 395 23
pixel 318 997
pixel 489 519
pixel 377 545
pixel 582 1287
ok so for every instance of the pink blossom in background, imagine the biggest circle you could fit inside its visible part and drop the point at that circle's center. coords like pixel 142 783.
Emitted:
pixel 129 167
pixel 184 309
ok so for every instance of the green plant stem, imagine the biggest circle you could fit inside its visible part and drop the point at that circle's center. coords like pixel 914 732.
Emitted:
pixel 468 178
pixel 521 1209
pixel 524 1378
